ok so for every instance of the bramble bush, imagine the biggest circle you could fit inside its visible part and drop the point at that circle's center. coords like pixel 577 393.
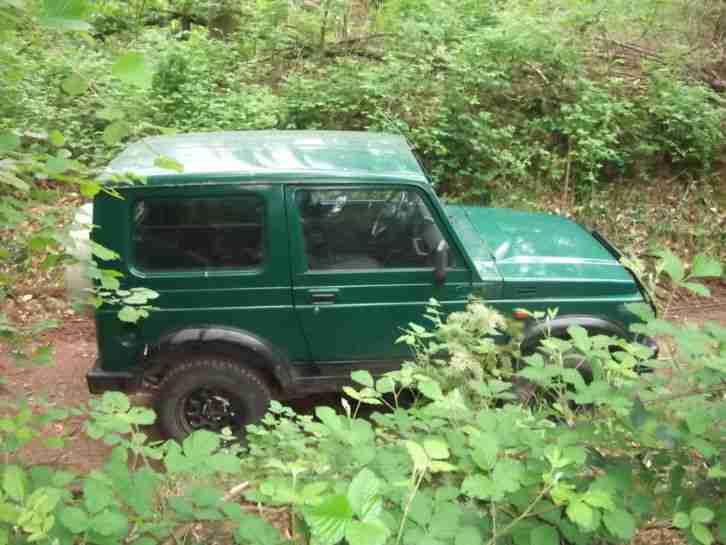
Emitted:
pixel 450 451
pixel 582 461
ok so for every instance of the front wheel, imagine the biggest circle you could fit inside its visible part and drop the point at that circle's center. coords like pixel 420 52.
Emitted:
pixel 210 393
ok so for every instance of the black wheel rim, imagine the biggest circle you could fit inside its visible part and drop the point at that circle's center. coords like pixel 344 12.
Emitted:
pixel 211 409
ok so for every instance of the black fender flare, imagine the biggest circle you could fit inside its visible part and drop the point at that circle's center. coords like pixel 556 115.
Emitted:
pixel 534 332
pixel 226 340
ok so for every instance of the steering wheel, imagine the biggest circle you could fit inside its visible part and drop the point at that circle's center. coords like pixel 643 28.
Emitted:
pixel 389 214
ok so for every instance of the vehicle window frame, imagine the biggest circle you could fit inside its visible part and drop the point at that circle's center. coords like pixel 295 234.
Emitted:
pixel 423 195
pixel 136 268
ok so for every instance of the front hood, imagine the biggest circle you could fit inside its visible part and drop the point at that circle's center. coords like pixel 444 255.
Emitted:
pixel 526 246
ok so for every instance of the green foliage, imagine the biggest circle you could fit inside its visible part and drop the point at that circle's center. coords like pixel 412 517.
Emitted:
pixel 493 97
pixel 686 122
pixel 464 464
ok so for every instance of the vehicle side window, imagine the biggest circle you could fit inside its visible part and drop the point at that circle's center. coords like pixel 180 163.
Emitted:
pixel 199 233
pixel 346 229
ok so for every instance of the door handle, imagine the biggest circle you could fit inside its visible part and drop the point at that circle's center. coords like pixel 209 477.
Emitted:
pixel 323 297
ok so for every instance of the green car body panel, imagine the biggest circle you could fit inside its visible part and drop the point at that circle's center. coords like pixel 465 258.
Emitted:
pixel 311 327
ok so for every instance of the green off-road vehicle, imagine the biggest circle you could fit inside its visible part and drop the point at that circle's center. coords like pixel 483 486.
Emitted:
pixel 285 260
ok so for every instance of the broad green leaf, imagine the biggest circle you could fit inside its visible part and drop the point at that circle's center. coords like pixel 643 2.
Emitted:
pixel 136 298
pixel 698 289
pixel 224 462
pixel 672 265
pixel 132 68
pixel 701 514
pixel 706 267
pixel 431 389
pixel 110 523
pixel 468 535
pixel 486 451
pixel 367 533
pixel 436 449
pixel 681 520
pixel 74 85
pixel 110 114
pixel 702 533
pixel 699 420
pixel 96 495
pixel 56 138
pixel 418 455
pixel 130 315
pixel 9 141
pixel 422 508
pixel 330 418
pixel 144 486
pixel 64 14
pixel 363 494
pixel 205 496
pixel 115 402
pixel 445 522
pixel 580 337
pixel 385 385
pixel 58 165
pixel 43 500
pixel 201 444
pixel 75 519
pixel 62 478
pixel 362 377
pixel 544 534
pixel 620 523
pixel 437 466
pixel 311 492
pixel 115 132
pixel 478 486
pixel 255 530
pixel 102 253
pixel 581 514
pixel 9 513
pixel 507 474
pixel 90 189
pixel 329 520
pixel 599 498
pixel 15 482
pixel 167 163
pixel 181 506
pixel 232 510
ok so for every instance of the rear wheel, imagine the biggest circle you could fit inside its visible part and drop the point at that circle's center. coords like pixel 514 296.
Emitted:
pixel 210 393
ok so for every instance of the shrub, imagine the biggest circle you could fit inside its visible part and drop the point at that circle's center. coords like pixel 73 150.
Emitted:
pixel 685 122
pixel 589 461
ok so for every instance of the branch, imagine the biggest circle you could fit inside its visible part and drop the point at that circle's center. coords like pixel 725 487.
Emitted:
pixel 524 515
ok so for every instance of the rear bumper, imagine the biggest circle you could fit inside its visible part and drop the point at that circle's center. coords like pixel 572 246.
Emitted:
pixel 100 380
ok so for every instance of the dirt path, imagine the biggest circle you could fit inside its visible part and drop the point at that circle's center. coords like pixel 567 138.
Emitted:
pixel 64 384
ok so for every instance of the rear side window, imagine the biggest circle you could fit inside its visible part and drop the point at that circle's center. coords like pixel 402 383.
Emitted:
pixel 202 233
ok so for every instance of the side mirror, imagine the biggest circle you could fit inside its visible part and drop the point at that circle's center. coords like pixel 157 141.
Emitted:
pixel 441 261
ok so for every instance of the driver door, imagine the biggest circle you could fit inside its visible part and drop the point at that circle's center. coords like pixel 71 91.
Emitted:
pixel 362 268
